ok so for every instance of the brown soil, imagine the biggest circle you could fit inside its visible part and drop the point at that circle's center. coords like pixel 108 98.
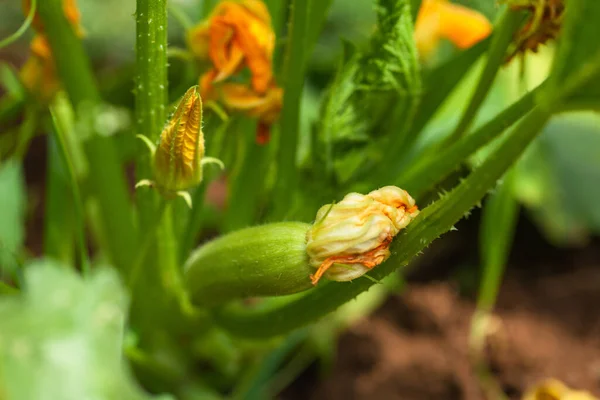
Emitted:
pixel 415 347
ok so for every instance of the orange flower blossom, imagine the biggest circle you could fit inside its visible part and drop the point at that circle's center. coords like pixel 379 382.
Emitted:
pixel 38 74
pixel 69 8
pixel 440 19
pixel 238 34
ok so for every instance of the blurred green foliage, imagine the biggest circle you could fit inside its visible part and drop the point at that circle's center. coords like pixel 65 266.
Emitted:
pixel 63 337
pixel 13 204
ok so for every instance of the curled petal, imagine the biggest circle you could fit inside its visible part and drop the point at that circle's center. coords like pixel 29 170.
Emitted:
pixel 265 108
pixel 225 54
pixel 237 34
pixel 353 236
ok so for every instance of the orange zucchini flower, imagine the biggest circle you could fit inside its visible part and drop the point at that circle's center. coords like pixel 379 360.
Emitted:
pixel 69 8
pixel 237 34
pixel 440 19
pixel 38 74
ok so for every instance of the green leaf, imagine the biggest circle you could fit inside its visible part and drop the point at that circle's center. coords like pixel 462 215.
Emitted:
pixel 576 69
pixel 375 83
pixel 555 180
pixel 62 339
pixel 498 224
pixel 12 215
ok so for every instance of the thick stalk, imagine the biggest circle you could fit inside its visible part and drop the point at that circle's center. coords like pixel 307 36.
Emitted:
pixel 150 91
pixel 431 223
pixel 295 65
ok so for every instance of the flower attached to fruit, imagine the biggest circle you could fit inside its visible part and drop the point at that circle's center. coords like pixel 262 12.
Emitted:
pixel 351 237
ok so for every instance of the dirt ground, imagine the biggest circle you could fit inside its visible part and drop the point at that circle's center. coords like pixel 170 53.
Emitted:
pixel 415 347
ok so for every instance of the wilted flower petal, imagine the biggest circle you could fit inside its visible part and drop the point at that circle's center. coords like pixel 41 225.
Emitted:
pixel 265 108
pixel 353 236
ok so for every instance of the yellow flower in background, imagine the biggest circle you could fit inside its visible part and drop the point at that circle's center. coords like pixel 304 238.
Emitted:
pixel 553 389
pixel 238 35
pixel 69 8
pixel 351 237
pixel 440 19
pixel 38 74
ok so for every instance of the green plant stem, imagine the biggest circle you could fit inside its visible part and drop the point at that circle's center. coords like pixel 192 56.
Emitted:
pixel 58 222
pixel 498 224
pixel 145 243
pixel 442 80
pixel 424 175
pixel 497 230
pixel 501 40
pixel 246 186
pixel 23 28
pixel 295 66
pixel 78 214
pixel 431 223
pixel 150 91
pixel 106 178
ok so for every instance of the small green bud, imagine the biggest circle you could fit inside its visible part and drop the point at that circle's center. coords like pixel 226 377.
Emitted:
pixel 178 157
pixel 265 260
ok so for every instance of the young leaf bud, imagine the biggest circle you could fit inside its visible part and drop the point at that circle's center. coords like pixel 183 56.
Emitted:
pixel 351 237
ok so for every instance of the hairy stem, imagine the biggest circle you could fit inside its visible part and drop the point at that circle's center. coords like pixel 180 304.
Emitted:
pixel 431 223
pixel 150 90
